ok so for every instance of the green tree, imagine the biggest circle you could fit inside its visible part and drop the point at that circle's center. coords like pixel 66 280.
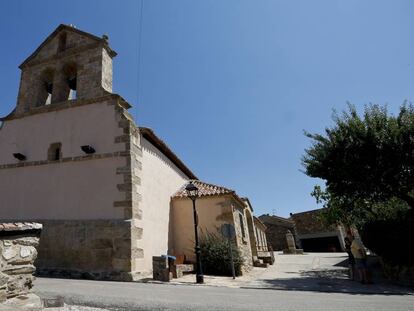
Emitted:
pixel 367 163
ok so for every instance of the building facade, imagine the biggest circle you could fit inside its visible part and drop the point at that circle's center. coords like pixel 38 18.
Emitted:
pixel 73 159
pixel 316 236
pixel 276 229
pixel 216 206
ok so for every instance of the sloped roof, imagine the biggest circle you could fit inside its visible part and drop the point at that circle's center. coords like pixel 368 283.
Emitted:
pixel 204 189
pixel 149 135
pixel 273 219
pixel 208 190
pixel 60 28
pixel 313 211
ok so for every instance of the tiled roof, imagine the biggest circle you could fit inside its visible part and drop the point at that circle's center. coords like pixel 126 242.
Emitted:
pixel 19 226
pixel 149 134
pixel 204 189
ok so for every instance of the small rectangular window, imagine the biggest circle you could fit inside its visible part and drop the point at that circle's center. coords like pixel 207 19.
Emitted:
pixel 55 152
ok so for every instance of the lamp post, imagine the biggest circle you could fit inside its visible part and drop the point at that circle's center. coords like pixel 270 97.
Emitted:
pixel 192 192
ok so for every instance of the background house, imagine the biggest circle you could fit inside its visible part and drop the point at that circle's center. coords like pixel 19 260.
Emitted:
pixel 276 229
pixel 216 206
pixel 315 236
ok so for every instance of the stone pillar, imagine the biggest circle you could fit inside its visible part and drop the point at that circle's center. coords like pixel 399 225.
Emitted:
pixel 160 269
pixel 18 251
pixel 290 241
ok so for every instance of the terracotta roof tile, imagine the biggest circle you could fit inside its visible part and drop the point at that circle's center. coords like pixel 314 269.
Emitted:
pixel 207 190
pixel 204 189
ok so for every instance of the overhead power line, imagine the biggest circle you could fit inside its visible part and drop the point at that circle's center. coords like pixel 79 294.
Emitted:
pixel 141 15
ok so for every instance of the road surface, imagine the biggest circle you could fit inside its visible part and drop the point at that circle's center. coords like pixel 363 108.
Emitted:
pixel 139 296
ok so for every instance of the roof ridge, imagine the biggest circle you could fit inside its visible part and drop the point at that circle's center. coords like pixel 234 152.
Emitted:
pixel 276 217
pixel 204 189
pixel 150 135
pixel 214 185
pixel 309 211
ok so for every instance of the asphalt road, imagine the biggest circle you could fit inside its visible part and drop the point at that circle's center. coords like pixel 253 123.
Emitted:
pixel 139 296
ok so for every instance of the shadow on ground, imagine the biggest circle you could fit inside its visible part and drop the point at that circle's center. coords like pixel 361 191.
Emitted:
pixel 335 281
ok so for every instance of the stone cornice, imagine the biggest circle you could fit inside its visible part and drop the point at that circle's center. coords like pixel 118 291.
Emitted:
pixel 66 160
pixel 67 105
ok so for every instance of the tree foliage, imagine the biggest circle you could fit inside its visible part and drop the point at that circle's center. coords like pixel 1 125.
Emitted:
pixel 367 163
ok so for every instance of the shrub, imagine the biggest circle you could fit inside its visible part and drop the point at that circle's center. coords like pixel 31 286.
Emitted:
pixel 215 255
pixel 392 239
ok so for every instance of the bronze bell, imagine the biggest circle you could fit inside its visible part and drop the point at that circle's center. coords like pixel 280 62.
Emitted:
pixel 72 83
pixel 49 87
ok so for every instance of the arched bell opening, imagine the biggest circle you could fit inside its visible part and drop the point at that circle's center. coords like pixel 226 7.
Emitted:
pixel 45 91
pixel 71 79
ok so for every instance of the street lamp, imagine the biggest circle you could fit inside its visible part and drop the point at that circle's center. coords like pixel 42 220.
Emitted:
pixel 192 192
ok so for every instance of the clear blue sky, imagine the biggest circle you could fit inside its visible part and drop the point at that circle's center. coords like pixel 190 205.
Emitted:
pixel 231 85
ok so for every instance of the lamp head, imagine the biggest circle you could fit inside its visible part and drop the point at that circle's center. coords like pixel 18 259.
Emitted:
pixel 192 190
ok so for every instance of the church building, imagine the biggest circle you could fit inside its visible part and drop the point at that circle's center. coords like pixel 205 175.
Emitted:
pixel 73 159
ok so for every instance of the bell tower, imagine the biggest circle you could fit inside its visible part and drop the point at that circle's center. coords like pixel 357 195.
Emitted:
pixel 70 65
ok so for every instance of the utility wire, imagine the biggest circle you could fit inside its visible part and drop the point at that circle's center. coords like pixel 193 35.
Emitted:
pixel 139 49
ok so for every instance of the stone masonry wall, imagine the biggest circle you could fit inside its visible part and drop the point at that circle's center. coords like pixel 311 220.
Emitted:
pixel 276 235
pixel 131 173
pixel 18 251
pixel 276 228
pixel 243 243
pixel 90 59
pixel 91 249
pixel 310 222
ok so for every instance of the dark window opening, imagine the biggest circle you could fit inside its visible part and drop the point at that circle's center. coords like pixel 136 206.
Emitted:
pixel 49 90
pixel 62 42
pixel 242 225
pixel 70 72
pixel 72 83
pixel 55 152
pixel 46 87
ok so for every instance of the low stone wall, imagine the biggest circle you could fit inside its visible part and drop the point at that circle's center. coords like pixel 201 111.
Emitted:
pixel 401 275
pixel 18 251
pixel 90 249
